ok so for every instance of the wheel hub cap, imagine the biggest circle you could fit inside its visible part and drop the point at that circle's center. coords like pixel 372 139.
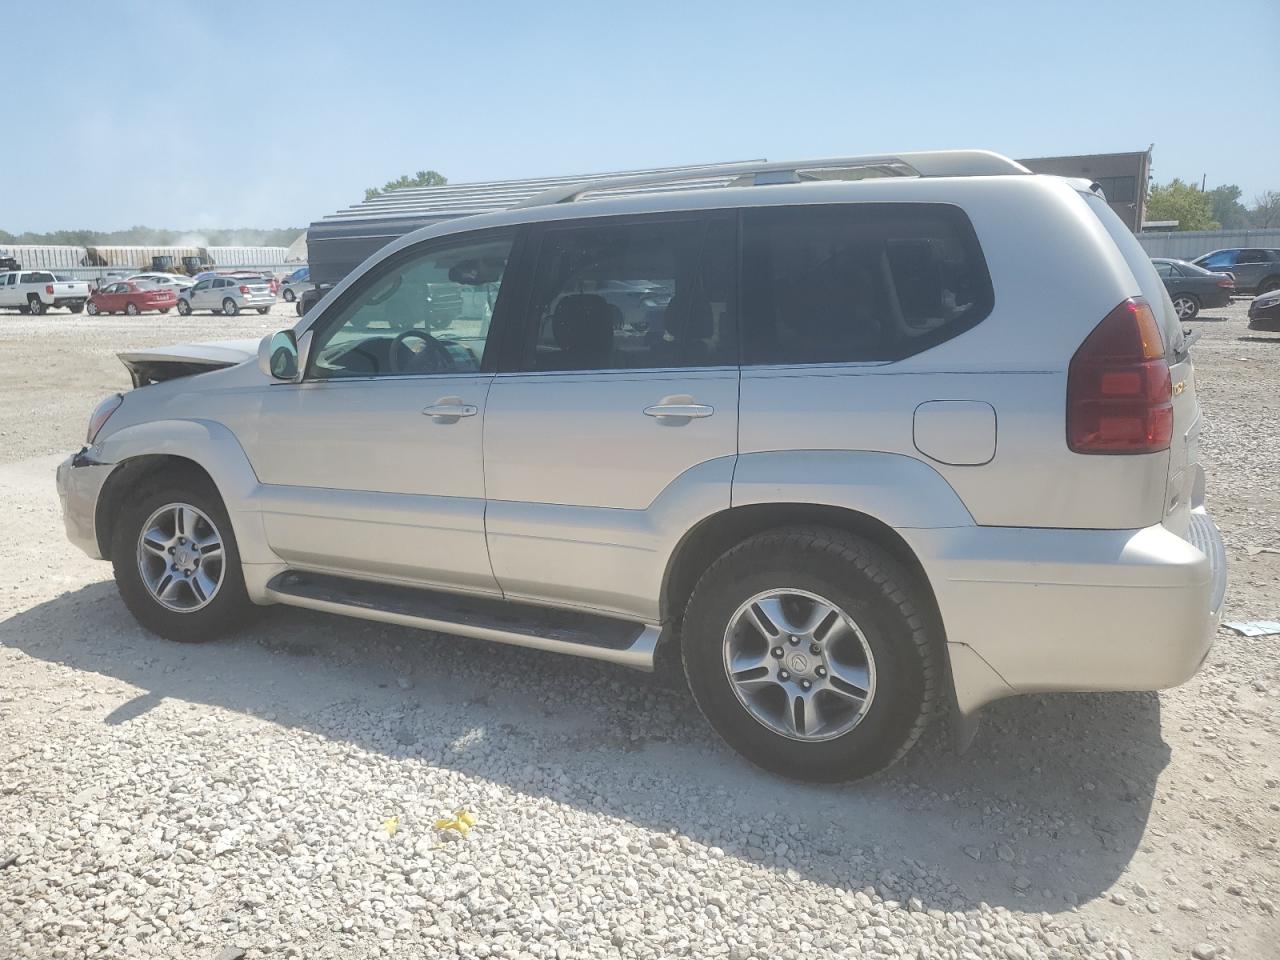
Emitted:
pixel 799 664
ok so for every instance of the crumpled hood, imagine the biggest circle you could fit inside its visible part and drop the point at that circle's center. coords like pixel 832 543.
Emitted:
pixel 157 364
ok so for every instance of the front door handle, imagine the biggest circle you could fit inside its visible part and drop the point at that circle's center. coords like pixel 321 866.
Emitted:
pixel 679 409
pixel 450 410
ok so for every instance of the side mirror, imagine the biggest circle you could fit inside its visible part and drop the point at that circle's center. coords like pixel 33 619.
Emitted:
pixel 278 355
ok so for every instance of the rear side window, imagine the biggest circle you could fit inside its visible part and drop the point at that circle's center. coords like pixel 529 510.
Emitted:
pixel 633 294
pixel 858 282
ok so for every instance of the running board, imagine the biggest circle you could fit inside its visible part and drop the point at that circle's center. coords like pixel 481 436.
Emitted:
pixel 525 625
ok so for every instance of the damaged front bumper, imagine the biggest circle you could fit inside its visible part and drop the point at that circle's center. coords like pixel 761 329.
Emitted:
pixel 80 480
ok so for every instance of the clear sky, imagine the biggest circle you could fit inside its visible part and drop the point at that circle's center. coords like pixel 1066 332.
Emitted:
pixel 270 114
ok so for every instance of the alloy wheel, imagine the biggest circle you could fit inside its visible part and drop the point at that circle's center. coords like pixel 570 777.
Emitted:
pixel 180 557
pixel 799 664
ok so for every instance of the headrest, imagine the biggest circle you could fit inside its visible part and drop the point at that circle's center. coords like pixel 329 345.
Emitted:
pixel 583 327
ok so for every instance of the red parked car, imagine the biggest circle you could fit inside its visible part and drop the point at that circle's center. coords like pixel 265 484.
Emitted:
pixel 131 298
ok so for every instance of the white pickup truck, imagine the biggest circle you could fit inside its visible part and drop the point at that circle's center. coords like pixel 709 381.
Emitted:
pixel 35 291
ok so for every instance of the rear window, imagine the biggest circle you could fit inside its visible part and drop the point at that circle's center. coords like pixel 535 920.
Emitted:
pixel 858 282
pixel 37 277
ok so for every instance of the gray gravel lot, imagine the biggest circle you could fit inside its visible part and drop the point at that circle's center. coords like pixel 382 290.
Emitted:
pixel 277 793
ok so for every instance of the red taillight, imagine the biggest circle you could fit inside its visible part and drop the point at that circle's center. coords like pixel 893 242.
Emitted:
pixel 48 288
pixel 1119 392
pixel 243 288
pixel 1226 282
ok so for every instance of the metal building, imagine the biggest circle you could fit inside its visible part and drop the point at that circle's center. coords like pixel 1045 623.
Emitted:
pixel 1123 178
pixel 338 243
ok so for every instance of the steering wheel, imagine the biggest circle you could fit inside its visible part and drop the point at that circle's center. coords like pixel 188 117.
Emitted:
pixel 440 357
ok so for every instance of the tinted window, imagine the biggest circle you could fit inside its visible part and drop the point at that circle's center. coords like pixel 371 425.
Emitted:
pixel 39 277
pixel 425 311
pixel 1252 256
pixel 638 294
pixel 1223 258
pixel 855 282
pixel 1164 269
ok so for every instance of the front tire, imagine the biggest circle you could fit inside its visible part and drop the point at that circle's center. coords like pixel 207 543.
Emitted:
pixel 262 311
pixel 91 308
pixel 184 308
pixel 810 651
pixel 131 309
pixel 1187 306
pixel 176 564
pixel 229 308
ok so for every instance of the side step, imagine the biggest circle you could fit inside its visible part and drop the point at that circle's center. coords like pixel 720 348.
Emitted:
pixel 523 624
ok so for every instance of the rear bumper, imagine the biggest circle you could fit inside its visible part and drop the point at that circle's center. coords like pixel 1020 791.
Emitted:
pixel 1074 610
pixel 80 482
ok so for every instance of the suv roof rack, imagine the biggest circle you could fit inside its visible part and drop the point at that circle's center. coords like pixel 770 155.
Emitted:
pixel 927 163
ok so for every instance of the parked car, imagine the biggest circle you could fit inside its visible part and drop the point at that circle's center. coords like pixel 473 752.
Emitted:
pixel 35 291
pixel 868 472
pixel 1264 312
pixel 176 282
pixel 1193 288
pixel 1255 269
pixel 226 295
pixel 296 283
pixel 131 297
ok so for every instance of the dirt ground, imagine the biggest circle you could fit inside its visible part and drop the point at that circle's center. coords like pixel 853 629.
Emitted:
pixel 170 800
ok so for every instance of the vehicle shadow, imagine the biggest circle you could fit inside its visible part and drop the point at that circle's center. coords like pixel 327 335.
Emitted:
pixel 1044 811
pixel 1247 339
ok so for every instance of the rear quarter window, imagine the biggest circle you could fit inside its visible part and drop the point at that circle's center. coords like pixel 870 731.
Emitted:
pixel 857 282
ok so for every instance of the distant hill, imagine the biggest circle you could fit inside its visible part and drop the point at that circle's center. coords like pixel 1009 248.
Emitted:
pixel 159 237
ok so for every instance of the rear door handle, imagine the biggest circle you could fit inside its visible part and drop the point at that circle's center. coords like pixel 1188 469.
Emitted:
pixel 678 409
pixel 450 410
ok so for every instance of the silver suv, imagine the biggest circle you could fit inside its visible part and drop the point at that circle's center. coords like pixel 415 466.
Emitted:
pixel 863 440
pixel 226 295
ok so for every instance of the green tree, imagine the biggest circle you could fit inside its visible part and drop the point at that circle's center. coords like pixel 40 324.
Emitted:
pixel 423 178
pixel 1180 201
pixel 1227 208
pixel 1266 209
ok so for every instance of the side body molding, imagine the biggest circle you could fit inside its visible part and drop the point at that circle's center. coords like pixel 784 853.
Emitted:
pixel 215 448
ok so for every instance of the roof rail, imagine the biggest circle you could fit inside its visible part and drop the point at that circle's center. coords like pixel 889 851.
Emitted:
pixel 928 163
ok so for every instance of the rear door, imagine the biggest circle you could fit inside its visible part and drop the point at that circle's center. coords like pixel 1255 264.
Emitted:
pixel 1251 268
pixel 616 406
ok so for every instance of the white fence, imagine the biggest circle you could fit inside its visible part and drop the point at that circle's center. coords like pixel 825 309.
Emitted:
pixel 1189 244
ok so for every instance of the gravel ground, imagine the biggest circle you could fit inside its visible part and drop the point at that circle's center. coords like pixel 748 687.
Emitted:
pixel 277 794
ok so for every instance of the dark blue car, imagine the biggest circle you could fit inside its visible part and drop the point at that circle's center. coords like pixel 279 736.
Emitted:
pixel 1193 288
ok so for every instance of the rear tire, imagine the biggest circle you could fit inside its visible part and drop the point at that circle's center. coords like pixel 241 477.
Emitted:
pixel 35 305
pixel 229 308
pixel 1269 284
pixel 225 607
pixel 77 307
pixel 1187 306
pixel 878 614
pixel 164 309
pixel 262 311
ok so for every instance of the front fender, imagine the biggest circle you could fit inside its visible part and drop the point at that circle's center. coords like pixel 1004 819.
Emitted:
pixel 215 449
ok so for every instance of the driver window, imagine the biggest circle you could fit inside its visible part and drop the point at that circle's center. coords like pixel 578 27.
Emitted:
pixel 421 313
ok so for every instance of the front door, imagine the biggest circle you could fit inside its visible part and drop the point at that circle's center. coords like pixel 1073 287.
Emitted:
pixel 614 419
pixel 201 295
pixel 371 465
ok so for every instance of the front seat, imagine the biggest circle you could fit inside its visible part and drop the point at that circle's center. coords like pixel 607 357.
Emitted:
pixel 583 327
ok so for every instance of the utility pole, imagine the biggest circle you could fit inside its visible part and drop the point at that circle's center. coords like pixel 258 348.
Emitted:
pixel 1204 177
